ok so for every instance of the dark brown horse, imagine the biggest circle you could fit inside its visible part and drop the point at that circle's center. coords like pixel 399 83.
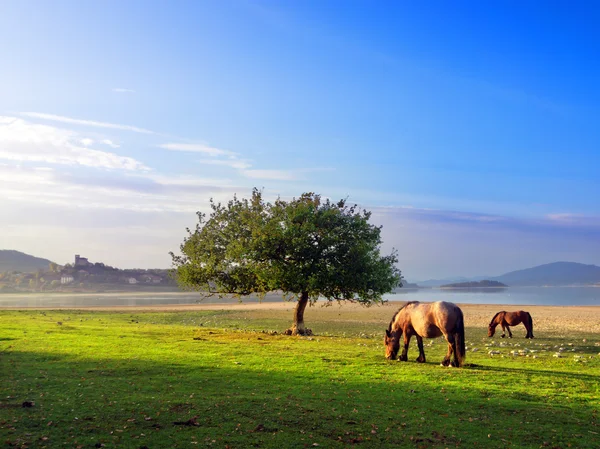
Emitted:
pixel 506 319
pixel 427 321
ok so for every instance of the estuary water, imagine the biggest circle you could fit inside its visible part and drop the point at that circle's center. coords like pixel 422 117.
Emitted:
pixel 540 296
pixel 549 296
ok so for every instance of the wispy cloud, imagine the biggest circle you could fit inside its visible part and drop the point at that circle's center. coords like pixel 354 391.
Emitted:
pixel 142 192
pixel 23 141
pixel 110 143
pixel 482 221
pixel 564 217
pixel 92 123
pixel 441 243
pixel 232 159
pixel 198 148
pixel 233 163
pixel 123 90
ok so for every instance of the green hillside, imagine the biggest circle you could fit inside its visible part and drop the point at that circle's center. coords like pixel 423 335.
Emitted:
pixel 11 260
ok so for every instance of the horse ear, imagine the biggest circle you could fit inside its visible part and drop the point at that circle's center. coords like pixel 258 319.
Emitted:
pixel 387 333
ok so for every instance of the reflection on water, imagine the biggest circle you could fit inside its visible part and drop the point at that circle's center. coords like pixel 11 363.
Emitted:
pixel 559 296
pixel 549 296
pixel 477 289
pixel 58 300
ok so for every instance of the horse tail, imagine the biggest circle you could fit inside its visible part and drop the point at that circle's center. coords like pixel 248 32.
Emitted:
pixel 530 325
pixel 459 338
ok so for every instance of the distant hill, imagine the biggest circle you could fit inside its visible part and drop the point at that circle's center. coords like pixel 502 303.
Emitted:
pixel 557 273
pixel 446 281
pixel 405 285
pixel 11 260
pixel 476 284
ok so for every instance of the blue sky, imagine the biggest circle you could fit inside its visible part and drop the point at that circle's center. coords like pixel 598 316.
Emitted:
pixel 469 128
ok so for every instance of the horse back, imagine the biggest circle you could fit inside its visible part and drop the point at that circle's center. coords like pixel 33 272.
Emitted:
pixel 435 319
pixel 514 318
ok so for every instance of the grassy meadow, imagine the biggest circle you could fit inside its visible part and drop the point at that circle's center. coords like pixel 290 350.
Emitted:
pixel 225 377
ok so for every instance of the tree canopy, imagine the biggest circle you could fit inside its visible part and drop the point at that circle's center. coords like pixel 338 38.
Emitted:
pixel 307 248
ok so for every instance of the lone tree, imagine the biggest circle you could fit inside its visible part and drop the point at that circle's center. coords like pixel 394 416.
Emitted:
pixel 307 248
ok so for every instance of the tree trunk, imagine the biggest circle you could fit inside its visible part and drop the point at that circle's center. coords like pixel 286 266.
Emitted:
pixel 298 328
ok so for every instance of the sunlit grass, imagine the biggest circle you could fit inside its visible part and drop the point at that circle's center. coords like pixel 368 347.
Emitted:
pixel 105 379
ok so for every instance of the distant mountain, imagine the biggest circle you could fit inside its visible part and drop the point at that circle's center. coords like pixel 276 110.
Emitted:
pixel 557 273
pixel 11 260
pixel 405 285
pixel 476 284
pixel 440 282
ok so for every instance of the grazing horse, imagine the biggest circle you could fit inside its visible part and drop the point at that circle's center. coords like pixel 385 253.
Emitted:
pixel 429 321
pixel 506 319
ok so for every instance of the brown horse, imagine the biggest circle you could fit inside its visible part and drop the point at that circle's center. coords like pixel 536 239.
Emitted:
pixel 429 321
pixel 506 319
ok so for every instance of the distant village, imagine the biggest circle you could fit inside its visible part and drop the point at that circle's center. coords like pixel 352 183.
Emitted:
pixel 83 275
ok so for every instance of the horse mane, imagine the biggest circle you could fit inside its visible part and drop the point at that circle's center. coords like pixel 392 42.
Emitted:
pixel 398 311
pixel 494 318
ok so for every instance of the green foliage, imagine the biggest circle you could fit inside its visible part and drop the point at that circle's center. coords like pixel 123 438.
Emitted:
pixel 306 245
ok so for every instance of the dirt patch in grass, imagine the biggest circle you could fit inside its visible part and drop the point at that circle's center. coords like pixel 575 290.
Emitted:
pixel 546 318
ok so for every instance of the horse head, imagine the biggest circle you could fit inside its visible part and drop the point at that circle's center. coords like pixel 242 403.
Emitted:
pixel 495 321
pixel 392 344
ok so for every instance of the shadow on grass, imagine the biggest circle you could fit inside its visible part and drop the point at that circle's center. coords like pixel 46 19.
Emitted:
pixel 527 371
pixel 213 401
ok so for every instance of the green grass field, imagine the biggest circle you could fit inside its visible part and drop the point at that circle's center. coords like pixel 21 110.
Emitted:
pixel 224 379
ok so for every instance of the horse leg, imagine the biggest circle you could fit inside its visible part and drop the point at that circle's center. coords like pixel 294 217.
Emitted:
pixel 503 330
pixel 421 358
pixel 451 349
pixel 455 362
pixel 509 332
pixel 404 355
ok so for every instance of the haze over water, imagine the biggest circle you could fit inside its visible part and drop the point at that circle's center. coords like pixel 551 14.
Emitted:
pixel 549 296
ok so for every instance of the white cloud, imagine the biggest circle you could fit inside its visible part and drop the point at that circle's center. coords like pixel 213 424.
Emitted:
pixel 93 123
pixel 102 190
pixel 563 217
pixel 23 141
pixel 110 143
pixel 233 163
pixel 86 142
pixel 198 148
pixel 122 90
pixel 188 180
pixel 231 159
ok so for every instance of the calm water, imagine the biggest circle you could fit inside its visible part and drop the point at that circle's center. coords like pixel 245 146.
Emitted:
pixel 548 296
pixel 554 296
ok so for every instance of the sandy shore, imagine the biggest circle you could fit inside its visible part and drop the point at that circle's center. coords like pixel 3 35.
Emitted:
pixel 547 318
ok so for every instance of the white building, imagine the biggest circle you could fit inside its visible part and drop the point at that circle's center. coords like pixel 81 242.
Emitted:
pixel 66 279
